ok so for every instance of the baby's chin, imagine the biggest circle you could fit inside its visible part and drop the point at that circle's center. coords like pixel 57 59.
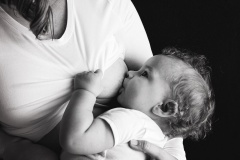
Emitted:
pixel 120 99
pixel 107 95
pixel 110 97
pixel 109 92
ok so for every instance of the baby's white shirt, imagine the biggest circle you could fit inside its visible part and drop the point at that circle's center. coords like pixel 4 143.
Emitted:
pixel 128 124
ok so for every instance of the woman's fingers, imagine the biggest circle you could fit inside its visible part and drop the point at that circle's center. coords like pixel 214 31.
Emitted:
pixel 145 147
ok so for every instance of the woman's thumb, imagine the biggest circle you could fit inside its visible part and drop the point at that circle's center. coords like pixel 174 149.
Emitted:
pixel 138 145
pixel 145 147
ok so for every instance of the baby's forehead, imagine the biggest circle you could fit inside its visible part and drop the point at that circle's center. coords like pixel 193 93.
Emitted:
pixel 168 65
pixel 167 62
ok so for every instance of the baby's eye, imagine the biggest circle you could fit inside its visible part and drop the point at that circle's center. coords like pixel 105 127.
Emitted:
pixel 144 74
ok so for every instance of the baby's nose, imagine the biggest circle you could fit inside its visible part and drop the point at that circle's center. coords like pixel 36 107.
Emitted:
pixel 129 74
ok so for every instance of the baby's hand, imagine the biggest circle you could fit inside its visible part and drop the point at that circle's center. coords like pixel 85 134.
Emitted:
pixel 90 81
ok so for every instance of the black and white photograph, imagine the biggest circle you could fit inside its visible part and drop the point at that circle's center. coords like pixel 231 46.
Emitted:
pixel 119 80
pixel 211 28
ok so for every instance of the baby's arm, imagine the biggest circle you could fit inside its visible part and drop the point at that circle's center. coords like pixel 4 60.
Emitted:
pixel 80 133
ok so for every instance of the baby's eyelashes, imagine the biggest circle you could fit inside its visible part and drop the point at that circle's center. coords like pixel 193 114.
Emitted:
pixel 144 74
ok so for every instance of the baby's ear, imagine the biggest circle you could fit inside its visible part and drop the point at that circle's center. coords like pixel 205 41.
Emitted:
pixel 167 109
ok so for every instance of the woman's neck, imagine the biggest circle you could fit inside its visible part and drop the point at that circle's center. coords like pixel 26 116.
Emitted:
pixel 59 9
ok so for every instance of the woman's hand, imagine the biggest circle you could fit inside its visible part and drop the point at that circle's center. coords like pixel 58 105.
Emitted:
pixel 155 152
pixel 14 148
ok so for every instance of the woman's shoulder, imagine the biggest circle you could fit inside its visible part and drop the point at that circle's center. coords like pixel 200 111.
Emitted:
pixel 117 6
pixel 123 8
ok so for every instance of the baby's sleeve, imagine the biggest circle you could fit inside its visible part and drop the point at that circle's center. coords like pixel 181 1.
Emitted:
pixel 175 148
pixel 125 125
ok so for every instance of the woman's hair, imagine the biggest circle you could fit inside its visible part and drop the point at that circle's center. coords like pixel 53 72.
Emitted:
pixel 192 90
pixel 37 12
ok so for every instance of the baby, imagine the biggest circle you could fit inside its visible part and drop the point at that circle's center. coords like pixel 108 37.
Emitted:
pixel 170 96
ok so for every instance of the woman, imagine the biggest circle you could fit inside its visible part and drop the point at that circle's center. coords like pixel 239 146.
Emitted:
pixel 44 43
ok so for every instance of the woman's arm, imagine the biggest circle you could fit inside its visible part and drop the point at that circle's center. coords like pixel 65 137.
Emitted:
pixel 132 35
pixel 80 133
pixel 15 148
pixel 5 140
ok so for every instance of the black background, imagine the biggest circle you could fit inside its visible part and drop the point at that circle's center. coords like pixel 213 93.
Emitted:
pixel 211 28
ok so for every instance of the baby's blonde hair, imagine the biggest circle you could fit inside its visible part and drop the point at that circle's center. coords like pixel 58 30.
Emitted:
pixel 192 91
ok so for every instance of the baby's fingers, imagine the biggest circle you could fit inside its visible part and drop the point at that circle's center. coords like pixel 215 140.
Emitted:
pixel 80 74
pixel 99 73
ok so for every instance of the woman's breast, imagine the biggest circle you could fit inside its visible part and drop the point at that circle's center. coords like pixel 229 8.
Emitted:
pixel 113 78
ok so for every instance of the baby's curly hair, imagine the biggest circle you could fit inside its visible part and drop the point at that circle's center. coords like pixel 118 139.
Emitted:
pixel 192 90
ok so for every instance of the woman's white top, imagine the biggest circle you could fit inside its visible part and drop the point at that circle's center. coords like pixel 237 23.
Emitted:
pixel 36 76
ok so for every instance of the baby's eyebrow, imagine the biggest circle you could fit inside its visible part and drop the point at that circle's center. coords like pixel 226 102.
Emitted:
pixel 149 68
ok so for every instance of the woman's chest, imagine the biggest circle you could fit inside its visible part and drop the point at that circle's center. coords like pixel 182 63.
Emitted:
pixel 38 73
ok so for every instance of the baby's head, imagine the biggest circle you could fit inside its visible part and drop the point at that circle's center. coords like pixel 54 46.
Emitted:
pixel 173 89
